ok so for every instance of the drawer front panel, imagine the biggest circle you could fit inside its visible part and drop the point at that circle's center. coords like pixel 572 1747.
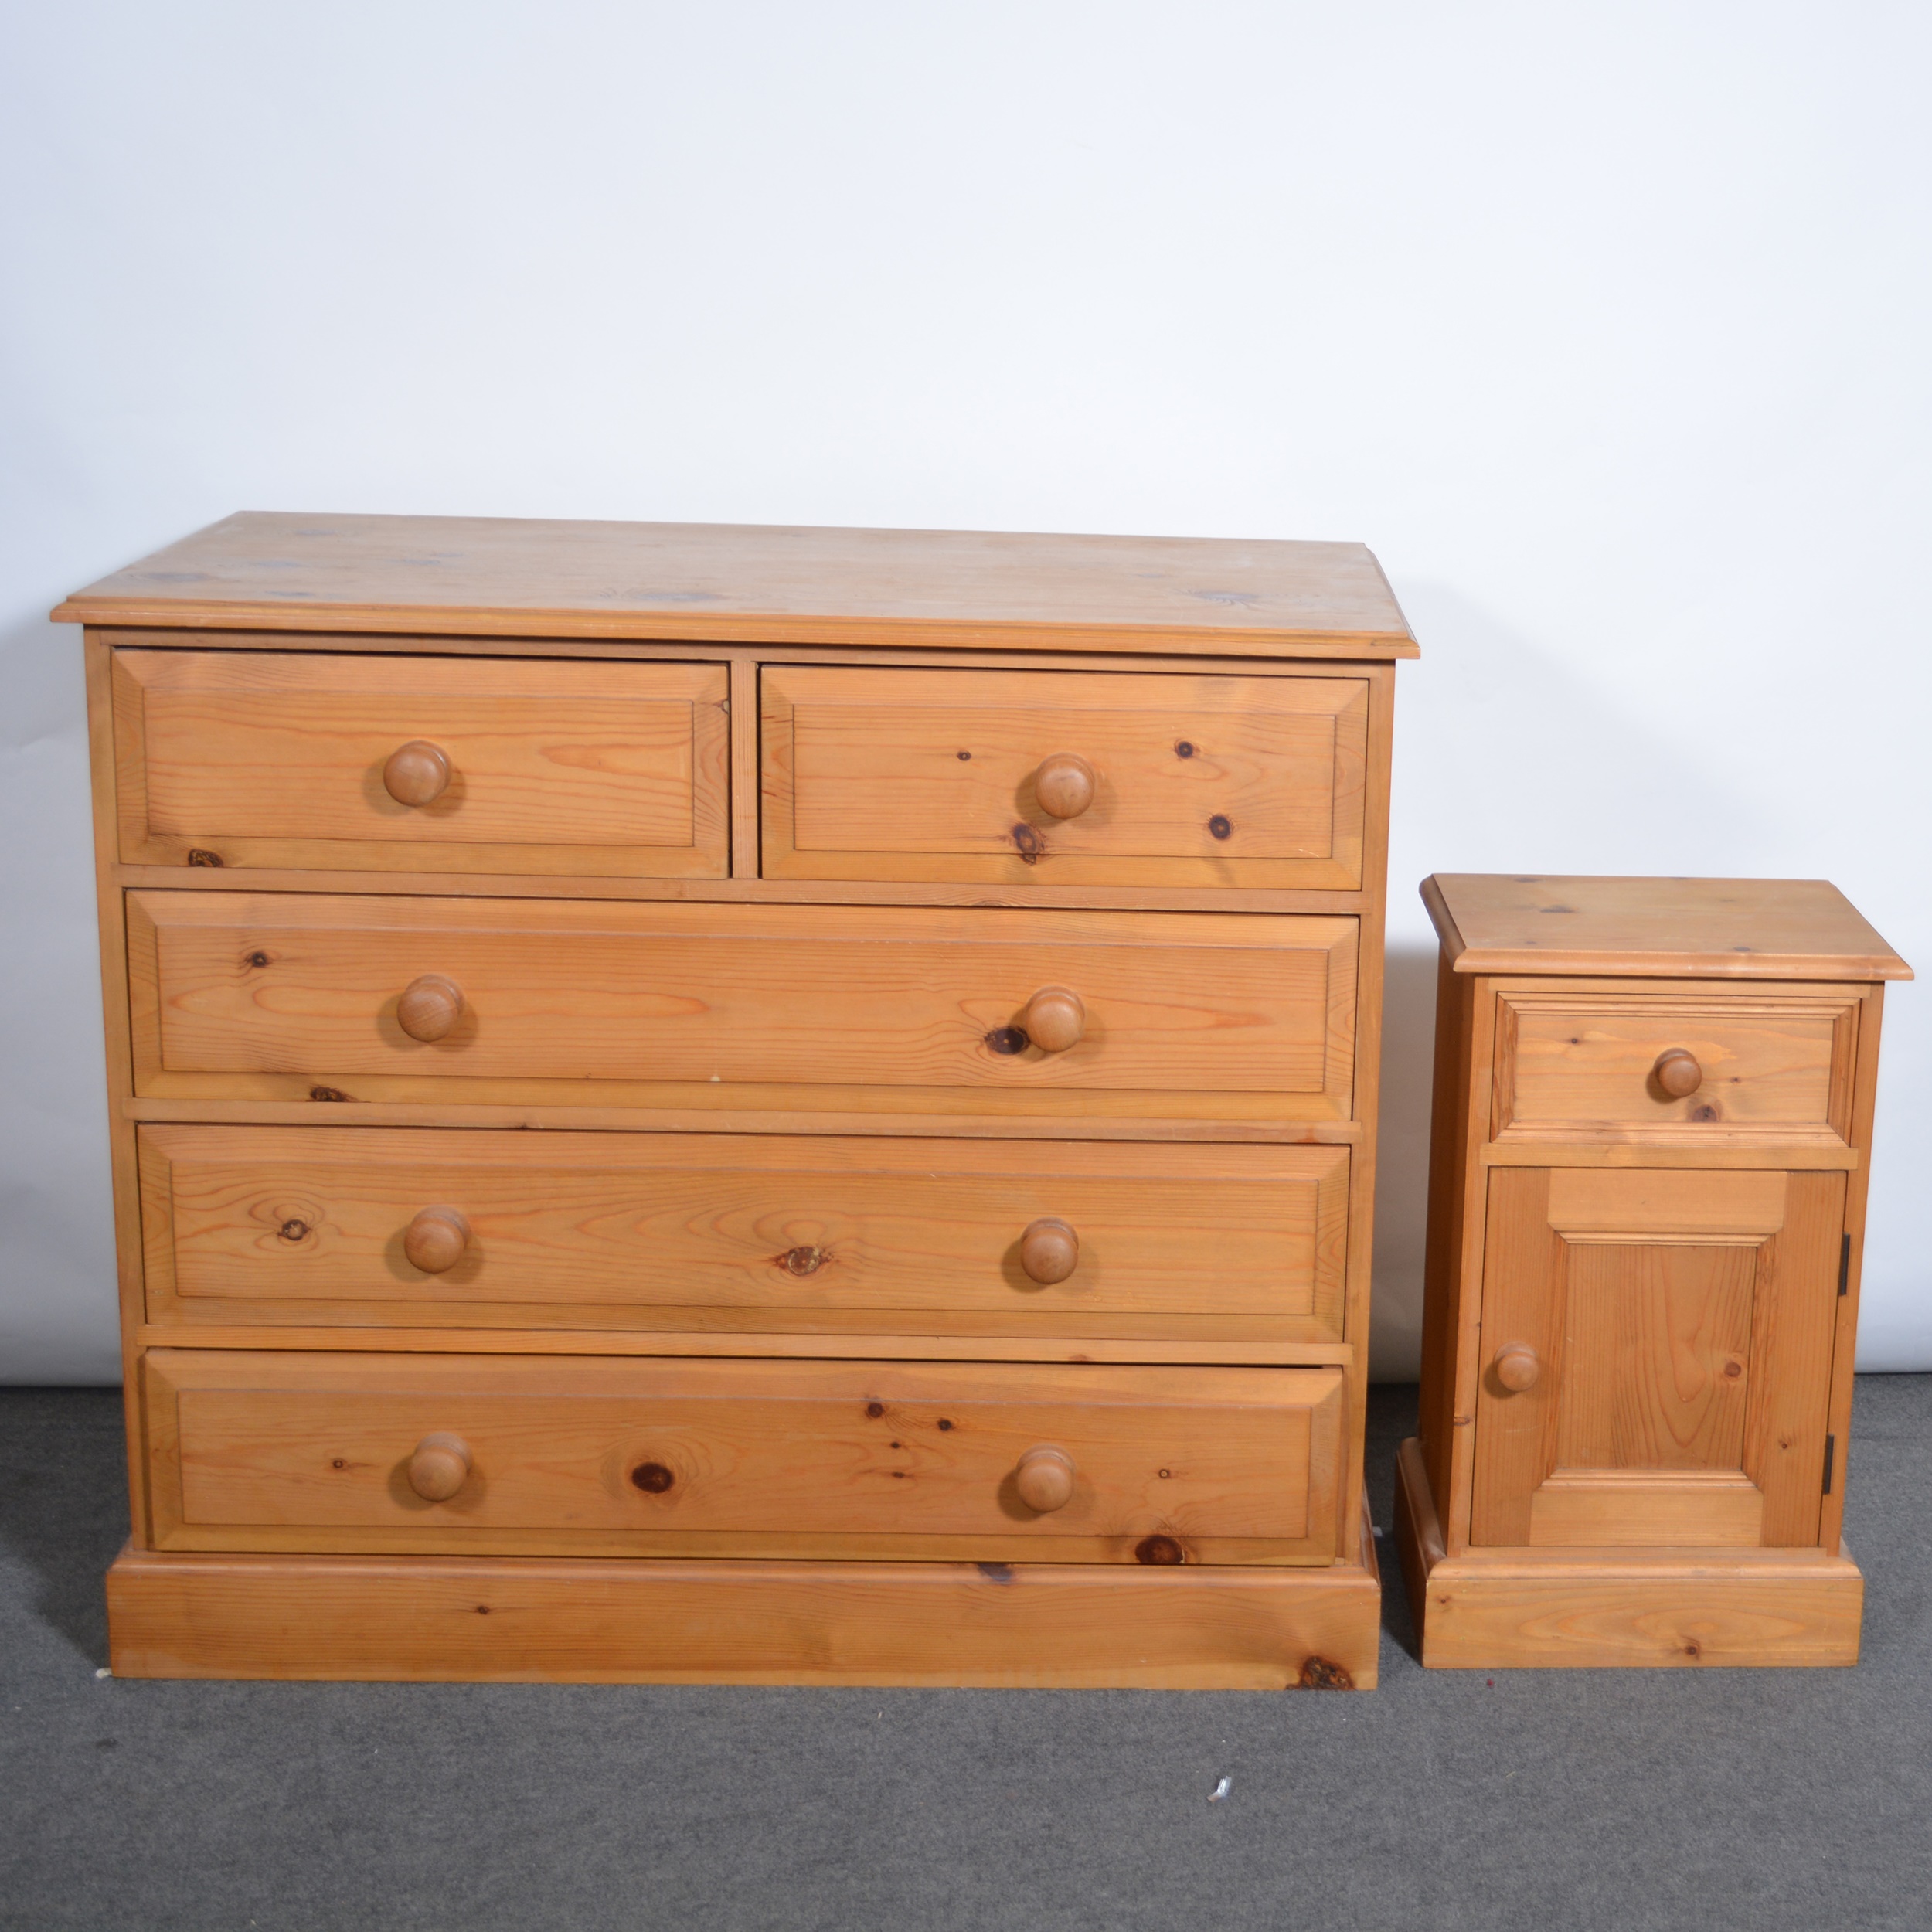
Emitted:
pixel 1769 1065
pixel 318 1225
pixel 573 1455
pixel 240 758
pixel 284 995
pixel 1194 780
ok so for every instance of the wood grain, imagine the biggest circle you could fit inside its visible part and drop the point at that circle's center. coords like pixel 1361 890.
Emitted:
pixel 531 1621
pixel 783 1229
pixel 1571 1062
pixel 231 760
pixel 1658 1340
pixel 1671 928
pixel 861 1336
pixel 1449 1173
pixel 271 996
pixel 1197 781
pixel 590 1456
pixel 1685 1322
pixel 1521 1301
pixel 1845 1341
pixel 460 575
pixel 1500 1610
pixel 110 912
pixel 748 890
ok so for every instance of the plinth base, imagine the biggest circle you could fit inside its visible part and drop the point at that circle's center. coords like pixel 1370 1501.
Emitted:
pixel 533 1620
pixel 1496 1608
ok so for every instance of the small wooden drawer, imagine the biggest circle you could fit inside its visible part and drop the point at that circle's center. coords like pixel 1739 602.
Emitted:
pixel 1697 1064
pixel 339 762
pixel 373 1227
pixel 290 996
pixel 576 1455
pixel 1039 777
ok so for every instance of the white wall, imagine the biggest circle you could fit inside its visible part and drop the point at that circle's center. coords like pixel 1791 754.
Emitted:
pixel 1606 326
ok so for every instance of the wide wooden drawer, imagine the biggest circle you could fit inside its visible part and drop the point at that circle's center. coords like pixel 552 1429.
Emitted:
pixel 1165 779
pixel 1689 1065
pixel 290 996
pixel 576 1455
pixel 369 1226
pixel 241 758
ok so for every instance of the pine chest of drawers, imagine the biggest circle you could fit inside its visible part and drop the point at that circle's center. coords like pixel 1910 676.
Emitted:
pixel 743 1104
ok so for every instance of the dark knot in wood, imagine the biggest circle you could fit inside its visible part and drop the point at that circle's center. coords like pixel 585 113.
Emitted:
pixel 1317 1673
pixel 1158 1549
pixel 652 1478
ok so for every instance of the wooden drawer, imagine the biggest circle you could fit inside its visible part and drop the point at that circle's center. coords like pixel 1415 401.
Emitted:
pixel 241 758
pixel 1195 780
pixel 318 1225
pixel 1768 1064
pixel 570 1455
pixel 290 996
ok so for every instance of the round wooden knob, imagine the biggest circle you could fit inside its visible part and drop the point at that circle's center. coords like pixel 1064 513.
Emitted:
pixel 429 1007
pixel 440 1467
pixel 1517 1367
pixel 1678 1073
pixel 1050 1250
pixel 1054 1019
pixel 435 1241
pixel 1064 785
pixel 1045 1478
pixel 417 773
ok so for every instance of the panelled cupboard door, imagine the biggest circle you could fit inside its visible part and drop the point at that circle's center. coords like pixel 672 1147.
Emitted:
pixel 572 1455
pixel 339 761
pixel 1038 777
pixel 374 1226
pixel 289 996
pixel 1656 1355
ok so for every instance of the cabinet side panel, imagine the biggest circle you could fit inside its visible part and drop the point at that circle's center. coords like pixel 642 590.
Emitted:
pixel 114 994
pixel 1845 1341
pixel 1448 1154
pixel 1367 1077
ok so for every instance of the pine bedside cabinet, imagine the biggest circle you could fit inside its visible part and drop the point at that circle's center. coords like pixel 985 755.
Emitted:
pixel 1652 1131
pixel 763 1105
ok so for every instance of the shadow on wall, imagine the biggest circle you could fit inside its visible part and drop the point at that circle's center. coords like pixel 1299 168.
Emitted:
pixel 1402 1177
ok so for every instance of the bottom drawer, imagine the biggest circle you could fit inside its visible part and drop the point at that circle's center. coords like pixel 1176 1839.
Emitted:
pixel 259 1449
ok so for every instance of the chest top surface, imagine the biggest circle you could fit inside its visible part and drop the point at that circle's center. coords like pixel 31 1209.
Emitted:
pixel 1676 928
pixel 483 576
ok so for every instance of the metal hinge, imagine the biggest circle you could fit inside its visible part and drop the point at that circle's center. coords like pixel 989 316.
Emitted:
pixel 1830 1449
pixel 1844 1264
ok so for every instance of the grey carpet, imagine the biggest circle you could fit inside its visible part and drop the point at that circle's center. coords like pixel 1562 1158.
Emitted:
pixel 1542 1800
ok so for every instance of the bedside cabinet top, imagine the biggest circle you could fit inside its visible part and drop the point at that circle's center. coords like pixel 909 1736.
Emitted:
pixel 1669 928
pixel 760 584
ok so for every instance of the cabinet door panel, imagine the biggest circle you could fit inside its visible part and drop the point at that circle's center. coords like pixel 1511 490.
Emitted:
pixel 1680 1323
